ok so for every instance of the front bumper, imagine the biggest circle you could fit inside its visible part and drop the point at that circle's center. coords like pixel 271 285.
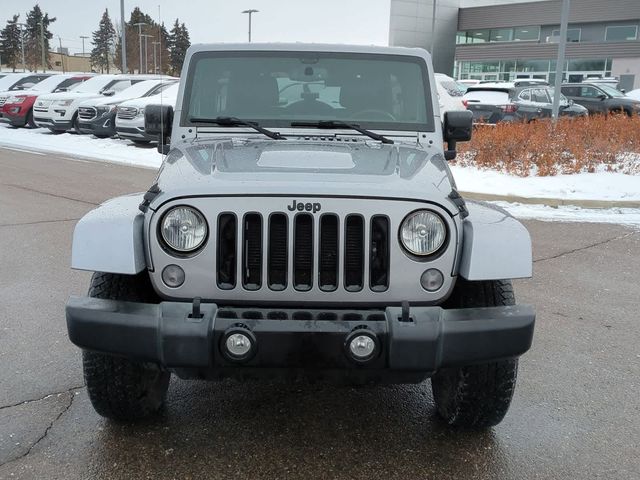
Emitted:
pixel 45 122
pixel 101 126
pixel 311 341
pixel 135 133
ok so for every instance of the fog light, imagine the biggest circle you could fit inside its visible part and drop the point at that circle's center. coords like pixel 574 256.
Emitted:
pixel 173 276
pixel 239 344
pixel 361 345
pixel 431 280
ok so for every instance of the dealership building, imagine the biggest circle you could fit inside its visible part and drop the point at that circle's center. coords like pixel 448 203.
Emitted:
pixel 506 40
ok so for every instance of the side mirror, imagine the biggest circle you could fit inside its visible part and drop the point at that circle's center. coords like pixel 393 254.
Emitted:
pixel 571 102
pixel 158 120
pixel 61 89
pixel 457 127
pixel 602 96
pixel 622 90
pixel 109 93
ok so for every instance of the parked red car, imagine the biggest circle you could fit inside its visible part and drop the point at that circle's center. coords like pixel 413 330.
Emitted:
pixel 18 105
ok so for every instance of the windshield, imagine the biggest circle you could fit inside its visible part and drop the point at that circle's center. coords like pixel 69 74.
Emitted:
pixel 384 92
pixel 93 85
pixel 611 91
pixel 49 84
pixel 140 89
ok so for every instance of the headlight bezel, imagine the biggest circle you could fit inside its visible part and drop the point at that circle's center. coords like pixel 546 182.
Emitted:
pixel 15 100
pixel 63 103
pixel 432 254
pixel 172 249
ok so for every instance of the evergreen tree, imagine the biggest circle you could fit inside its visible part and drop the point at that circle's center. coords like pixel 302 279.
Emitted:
pixel 37 24
pixel 133 42
pixel 103 41
pixel 10 43
pixel 179 42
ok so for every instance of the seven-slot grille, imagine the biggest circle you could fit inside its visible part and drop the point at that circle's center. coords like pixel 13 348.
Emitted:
pixel 295 244
pixel 127 113
pixel 87 113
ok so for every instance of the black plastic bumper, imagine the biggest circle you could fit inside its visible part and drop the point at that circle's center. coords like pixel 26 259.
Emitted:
pixel 431 339
pixel 102 126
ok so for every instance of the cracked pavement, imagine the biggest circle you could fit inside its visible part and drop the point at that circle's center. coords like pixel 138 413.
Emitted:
pixel 575 414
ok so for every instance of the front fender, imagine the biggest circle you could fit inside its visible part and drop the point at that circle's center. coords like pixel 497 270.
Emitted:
pixel 110 237
pixel 495 245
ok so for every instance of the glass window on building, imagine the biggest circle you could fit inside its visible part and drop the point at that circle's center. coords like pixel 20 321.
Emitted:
pixel 461 38
pixel 501 35
pixel 532 66
pixel 587 65
pixel 526 34
pixel 573 35
pixel 478 36
pixel 621 33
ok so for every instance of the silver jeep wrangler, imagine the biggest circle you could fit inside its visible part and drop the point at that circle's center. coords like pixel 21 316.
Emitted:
pixel 304 223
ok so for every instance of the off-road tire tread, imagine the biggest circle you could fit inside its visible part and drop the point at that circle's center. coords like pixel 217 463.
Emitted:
pixel 120 388
pixel 477 396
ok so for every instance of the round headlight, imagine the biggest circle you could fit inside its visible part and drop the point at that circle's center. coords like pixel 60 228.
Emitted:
pixel 184 229
pixel 423 232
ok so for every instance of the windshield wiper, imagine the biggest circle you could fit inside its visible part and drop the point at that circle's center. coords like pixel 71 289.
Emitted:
pixel 236 122
pixel 333 124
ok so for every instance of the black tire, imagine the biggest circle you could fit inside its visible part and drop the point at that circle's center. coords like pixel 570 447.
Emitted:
pixel 141 142
pixel 120 388
pixel 54 131
pixel 477 396
pixel 30 122
pixel 75 121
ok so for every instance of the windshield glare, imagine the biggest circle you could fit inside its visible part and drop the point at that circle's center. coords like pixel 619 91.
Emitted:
pixel 611 91
pixel 275 89
pixel 93 85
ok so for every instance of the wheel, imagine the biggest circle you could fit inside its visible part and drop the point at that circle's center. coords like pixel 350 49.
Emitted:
pixel 141 142
pixel 55 131
pixel 476 396
pixel 30 121
pixel 76 124
pixel 120 388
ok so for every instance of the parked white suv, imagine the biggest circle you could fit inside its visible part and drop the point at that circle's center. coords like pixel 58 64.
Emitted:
pixel 130 114
pixel 97 116
pixel 59 111
pixel 450 93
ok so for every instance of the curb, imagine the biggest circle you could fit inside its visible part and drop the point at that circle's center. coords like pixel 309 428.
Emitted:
pixel 551 202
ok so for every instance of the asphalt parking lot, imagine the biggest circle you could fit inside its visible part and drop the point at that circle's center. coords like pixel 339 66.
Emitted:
pixel 576 412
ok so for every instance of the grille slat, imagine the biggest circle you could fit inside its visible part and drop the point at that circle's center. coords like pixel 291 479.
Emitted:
pixel 127 113
pixel 278 252
pixel 328 253
pixel 87 113
pixel 354 253
pixel 226 258
pixel 303 252
pixel 252 252
pixel 379 252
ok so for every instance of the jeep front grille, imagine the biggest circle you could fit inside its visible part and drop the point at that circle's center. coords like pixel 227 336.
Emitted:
pixel 294 239
pixel 87 113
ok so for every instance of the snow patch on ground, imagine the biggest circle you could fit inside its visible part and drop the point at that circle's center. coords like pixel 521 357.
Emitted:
pixel 567 213
pixel 85 146
pixel 580 186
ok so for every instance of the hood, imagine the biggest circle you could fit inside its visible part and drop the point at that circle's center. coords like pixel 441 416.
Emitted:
pixel 69 96
pixel 313 167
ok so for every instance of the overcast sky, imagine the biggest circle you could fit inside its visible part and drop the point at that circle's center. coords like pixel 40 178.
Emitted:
pixel 330 21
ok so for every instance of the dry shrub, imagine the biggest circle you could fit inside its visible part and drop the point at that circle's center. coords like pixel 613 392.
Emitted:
pixel 595 143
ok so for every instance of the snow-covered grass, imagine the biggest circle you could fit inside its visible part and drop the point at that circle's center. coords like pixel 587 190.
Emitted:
pixel 568 213
pixel 580 186
pixel 84 146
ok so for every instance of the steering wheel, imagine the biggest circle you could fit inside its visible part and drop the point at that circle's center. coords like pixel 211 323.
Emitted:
pixel 379 113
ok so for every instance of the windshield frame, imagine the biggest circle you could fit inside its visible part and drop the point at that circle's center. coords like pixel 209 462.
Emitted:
pixel 429 126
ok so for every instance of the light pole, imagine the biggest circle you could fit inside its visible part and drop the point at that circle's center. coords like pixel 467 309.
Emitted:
pixel 155 62
pixel 433 28
pixel 83 37
pixel 44 64
pixel 564 20
pixel 250 12
pixel 24 68
pixel 123 26
pixel 61 54
pixel 140 25
pixel 146 63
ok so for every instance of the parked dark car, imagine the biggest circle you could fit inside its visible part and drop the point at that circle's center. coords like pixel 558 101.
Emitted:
pixel 599 98
pixel 519 101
